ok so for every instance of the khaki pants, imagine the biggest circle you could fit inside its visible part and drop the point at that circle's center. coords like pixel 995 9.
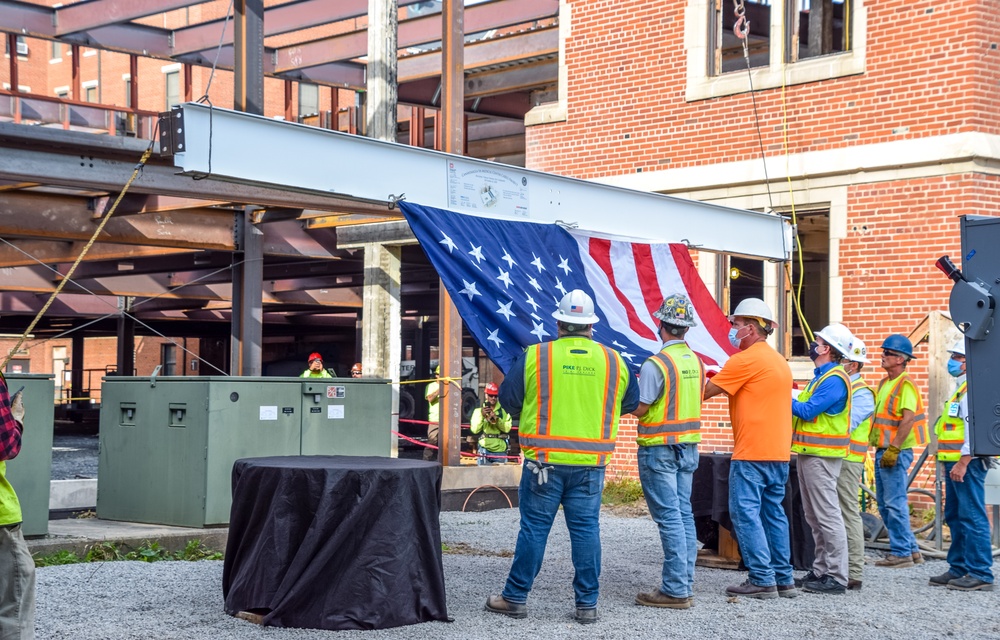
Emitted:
pixel 433 429
pixel 847 490
pixel 818 487
pixel 17 586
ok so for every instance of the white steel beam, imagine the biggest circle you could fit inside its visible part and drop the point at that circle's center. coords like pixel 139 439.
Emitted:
pixel 247 149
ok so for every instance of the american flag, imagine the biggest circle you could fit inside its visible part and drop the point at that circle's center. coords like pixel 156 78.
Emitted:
pixel 506 277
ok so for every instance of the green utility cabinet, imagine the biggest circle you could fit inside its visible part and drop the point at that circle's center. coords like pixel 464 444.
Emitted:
pixel 349 417
pixel 168 444
pixel 30 473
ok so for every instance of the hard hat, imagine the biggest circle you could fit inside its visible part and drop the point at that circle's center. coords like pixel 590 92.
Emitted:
pixel 837 336
pixel 898 343
pixel 676 310
pixel 576 307
pixel 315 356
pixel 754 308
pixel 858 352
pixel 356 368
pixel 958 347
pixel 492 389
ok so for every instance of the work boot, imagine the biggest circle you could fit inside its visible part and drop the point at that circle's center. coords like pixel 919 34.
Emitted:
pixel 787 591
pixel 896 562
pixel 586 616
pixel 943 579
pixel 826 584
pixel 751 590
pixel 917 557
pixel 809 577
pixel 657 598
pixel 854 585
pixel 498 604
pixel 968 583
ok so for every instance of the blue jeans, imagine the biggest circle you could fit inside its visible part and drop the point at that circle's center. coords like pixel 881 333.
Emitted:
pixel 578 490
pixel 756 491
pixel 666 473
pixel 965 513
pixel 890 493
pixel 487 457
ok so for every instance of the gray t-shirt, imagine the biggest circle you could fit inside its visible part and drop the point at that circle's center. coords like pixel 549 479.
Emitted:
pixel 651 383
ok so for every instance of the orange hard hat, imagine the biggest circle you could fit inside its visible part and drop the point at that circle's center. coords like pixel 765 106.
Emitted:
pixel 356 368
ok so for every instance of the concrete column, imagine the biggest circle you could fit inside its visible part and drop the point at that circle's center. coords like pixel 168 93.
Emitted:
pixel 381 325
pixel 383 27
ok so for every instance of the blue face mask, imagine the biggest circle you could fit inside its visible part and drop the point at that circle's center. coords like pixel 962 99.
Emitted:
pixel 733 340
pixel 955 368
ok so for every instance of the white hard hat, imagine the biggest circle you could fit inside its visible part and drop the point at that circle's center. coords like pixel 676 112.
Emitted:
pixel 754 308
pixel 958 347
pixel 858 352
pixel 837 336
pixel 576 307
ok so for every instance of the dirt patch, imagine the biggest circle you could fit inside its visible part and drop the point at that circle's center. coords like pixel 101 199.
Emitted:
pixel 637 509
pixel 465 549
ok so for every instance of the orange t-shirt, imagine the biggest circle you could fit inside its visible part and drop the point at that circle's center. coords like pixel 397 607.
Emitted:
pixel 759 383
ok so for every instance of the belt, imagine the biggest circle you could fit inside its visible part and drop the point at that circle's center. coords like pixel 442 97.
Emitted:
pixel 11 527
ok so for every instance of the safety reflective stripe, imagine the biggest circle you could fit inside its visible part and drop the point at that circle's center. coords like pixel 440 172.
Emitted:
pixel 669 420
pixel 572 445
pixel 859 447
pixel 543 365
pixel 951 445
pixel 611 391
pixel 816 439
pixel 887 423
pixel 675 427
pixel 671 370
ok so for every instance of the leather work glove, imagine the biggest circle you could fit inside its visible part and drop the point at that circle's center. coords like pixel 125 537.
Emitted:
pixel 17 407
pixel 540 471
pixel 889 457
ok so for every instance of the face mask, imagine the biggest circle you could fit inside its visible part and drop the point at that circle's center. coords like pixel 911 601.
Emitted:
pixel 733 340
pixel 813 350
pixel 955 368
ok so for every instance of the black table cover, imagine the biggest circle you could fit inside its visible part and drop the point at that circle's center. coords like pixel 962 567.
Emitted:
pixel 335 542
pixel 710 504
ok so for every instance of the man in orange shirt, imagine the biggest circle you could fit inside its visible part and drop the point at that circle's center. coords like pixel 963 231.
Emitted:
pixel 758 382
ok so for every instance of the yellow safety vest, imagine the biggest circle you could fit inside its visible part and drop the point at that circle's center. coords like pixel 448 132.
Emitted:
pixel 825 435
pixel 858 448
pixel 888 417
pixel 572 402
pixel 675 416
pixel 951 431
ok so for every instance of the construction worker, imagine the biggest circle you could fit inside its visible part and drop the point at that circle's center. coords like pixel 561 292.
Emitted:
pixel 862 411
pixel 900 424
pixel 821 426
pixel 669 412
pixel 970 556
pixel 17 568
pixel 356 370
pixel 758 382
pixel 316 368
pixel 432 394
pixel 493 423
pixel 570 394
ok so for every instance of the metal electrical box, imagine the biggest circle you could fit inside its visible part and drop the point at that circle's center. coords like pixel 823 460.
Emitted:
pixel 168 444
pixel 973 308
pixel 30 473
pixel 348 417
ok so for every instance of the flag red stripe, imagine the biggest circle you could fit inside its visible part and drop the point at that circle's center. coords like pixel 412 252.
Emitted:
pixel 600 251
pixel 642 254
pixel 709 313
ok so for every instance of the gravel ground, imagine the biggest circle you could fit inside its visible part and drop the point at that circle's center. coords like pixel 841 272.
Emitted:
pixel 74 456
pixel 182 600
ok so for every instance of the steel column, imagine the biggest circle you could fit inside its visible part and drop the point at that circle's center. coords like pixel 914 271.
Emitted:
pixel 76 366
pixel 450 328
pixel 12 47
pixel 126 337
pixel 247 316
pixel 133 74
pixel 249 56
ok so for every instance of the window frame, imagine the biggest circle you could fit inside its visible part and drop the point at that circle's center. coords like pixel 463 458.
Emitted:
pixel 167 75
pixel 700 52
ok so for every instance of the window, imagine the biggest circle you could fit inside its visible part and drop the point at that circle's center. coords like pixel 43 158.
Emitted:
pixel 168 358
pixel 128 92
pixel 56 50
pixel 173 81
pixel 308 100
pixel 22 45
pixel 90 94
pixel 788 42
pixel 814 239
